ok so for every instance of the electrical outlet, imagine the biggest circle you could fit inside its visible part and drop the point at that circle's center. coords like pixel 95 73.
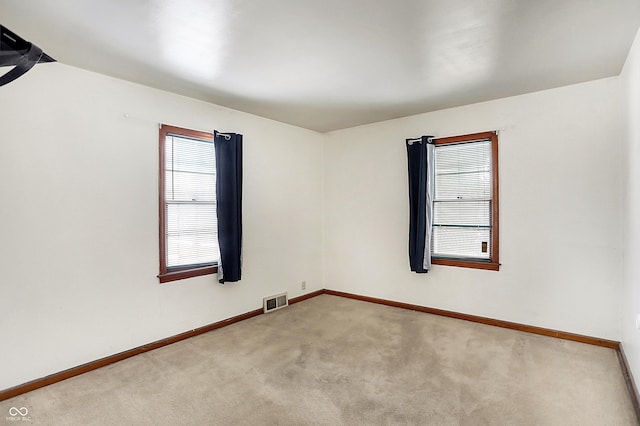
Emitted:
pixel 304 285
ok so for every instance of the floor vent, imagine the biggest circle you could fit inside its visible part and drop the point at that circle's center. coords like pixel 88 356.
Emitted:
pixel 273 303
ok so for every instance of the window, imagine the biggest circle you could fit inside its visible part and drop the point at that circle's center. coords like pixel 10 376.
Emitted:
pixel 188 221
pixel 465 202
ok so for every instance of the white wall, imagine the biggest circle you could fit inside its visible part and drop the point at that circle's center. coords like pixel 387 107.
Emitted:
pixel 79 219
pixel 560 209
pixel 631 183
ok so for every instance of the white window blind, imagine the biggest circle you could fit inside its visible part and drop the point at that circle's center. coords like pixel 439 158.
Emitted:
pixel 190 202
pixel 462 201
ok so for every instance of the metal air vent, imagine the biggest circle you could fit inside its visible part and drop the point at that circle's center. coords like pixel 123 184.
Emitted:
pixel 276 302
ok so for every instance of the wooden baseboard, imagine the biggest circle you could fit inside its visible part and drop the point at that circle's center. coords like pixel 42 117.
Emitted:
pixel 84 368
pixel 483 320
pixel 306 296
pixel 93 365
pixel 628 378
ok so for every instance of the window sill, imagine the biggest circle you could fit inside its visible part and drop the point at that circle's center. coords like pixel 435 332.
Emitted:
pixel 491 266
pixel 186 273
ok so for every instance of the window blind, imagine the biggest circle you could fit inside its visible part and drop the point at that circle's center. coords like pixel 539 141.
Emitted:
pixel 190 202
pixel 462 200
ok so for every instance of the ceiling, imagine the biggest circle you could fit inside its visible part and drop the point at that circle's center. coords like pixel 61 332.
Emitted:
pixel 331 64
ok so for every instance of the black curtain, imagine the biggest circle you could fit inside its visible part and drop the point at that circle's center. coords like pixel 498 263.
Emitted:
pixel 228 148
pixel 419 154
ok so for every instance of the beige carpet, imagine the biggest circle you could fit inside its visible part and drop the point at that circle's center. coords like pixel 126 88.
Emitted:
pixel 335 361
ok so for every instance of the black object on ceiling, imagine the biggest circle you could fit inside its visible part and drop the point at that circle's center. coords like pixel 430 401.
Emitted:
pixel 16 51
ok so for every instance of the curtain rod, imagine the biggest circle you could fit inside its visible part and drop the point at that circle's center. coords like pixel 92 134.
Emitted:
pixel 227 136
pixel 430 139
pixel 419 140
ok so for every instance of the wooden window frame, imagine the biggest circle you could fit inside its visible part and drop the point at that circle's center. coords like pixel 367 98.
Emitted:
pixel 175 273
pixel 493 263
